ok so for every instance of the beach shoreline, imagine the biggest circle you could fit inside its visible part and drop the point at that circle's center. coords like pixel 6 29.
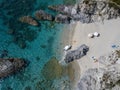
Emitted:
pixel 66 39
pixel 79 35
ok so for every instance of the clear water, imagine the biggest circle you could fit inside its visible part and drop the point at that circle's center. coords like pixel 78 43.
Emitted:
pixel 39 43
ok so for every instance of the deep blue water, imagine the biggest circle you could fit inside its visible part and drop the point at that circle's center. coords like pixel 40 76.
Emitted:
pixel 35 44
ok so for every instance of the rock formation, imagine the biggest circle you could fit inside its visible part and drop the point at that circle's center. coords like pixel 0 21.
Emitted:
pixel 108 59
pixel 76 54
pixel 28 20
pixel 62 18
pixel 42 15
pixel 64 9
pixel 9 66
pixel 89 11
pixel 102 78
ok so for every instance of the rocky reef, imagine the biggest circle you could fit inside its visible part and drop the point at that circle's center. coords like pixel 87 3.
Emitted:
pixel 76 54
pixel 56 76
pixel 42 15
pixel 10 14
pixel 28 20
pixel 52 69
pixel 10 65
pixel 87 11
pixel 102 78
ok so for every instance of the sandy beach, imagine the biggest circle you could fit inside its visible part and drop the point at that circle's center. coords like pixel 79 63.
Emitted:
pixel 77 35
pixel 98 46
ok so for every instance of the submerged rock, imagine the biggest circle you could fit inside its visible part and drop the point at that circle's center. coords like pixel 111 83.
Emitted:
pixel 28 20
pixel 9 66
pixel 4 53
pixel 52 69
pixel 42 15
pixel 76 54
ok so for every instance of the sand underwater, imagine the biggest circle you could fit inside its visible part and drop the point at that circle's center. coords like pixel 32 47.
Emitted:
pixel 35 44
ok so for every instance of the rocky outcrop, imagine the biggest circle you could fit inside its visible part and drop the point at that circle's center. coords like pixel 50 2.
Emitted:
pixel 76 54
pixel 9 66
pixel 64 9
pixel 89 11
pixel 28 20
pixel 62 18
pixel 42 15
pixel 105 77
pixel 101 79
pixel 108 59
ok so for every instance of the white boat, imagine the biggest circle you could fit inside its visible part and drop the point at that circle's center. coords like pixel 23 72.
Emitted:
pixel 67 47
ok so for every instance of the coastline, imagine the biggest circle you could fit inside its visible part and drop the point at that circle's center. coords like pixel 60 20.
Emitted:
pixel 66 39
pixel 78 35
pixel 108 36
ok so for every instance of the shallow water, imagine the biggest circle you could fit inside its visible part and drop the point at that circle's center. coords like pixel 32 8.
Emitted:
pixel 35 44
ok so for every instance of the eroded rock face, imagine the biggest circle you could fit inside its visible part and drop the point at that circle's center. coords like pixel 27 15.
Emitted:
pixel 42 15
pixel 9 66
pixel 89 11
pixel 101 79
pixel 108 59
pixel 28 20
pixel 106 77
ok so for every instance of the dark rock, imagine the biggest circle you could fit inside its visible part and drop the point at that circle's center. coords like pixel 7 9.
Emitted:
pixel 28 88
pixel 10 65
pixel 38 58
pixel 28 20
pixel 76 54
pixel 41 15
pixel 4 53
pixel 43 46
pixel 11 31
pixel 62 19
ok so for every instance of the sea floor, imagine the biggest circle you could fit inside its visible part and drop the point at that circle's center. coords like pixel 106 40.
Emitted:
pixel 40 47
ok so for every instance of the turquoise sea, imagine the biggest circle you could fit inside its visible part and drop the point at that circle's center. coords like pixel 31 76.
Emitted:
pixel 39 46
